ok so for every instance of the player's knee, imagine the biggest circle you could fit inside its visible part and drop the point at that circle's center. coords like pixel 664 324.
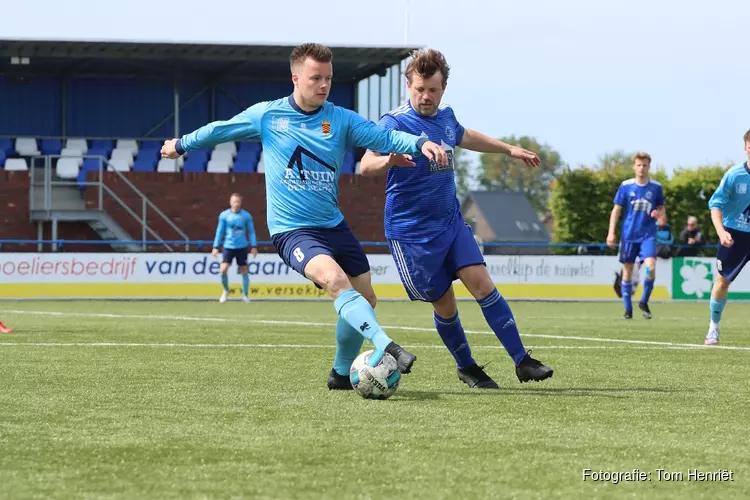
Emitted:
pixel 650 272
pixel 481 287
pixel 723 283
pixel 334 281
pixel 243 269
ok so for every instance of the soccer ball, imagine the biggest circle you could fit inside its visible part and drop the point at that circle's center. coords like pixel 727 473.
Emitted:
pixel 374 375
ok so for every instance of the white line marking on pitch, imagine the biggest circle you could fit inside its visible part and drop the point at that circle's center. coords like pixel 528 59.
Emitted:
pixel 307 346
pixel 391 327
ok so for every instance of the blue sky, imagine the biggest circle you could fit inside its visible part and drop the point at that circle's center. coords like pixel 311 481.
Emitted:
pixel 585 76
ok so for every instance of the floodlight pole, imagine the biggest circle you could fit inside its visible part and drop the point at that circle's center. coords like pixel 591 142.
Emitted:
pixel 176 108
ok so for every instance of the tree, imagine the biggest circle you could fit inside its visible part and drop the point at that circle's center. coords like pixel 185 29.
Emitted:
pixel 502 173
pixel 619 165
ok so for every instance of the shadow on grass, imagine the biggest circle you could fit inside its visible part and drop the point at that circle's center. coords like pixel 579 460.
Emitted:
pixel 607 392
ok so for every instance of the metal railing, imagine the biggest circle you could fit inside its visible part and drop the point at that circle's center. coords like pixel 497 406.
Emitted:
pixel 208 244
pixel 102 188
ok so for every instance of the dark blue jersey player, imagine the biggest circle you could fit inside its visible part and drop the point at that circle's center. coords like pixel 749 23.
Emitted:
pixel 730 214
pixel 304 141
pixel 429 240
pixel 641 202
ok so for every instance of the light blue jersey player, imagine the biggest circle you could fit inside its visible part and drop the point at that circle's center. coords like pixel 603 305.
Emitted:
pixel 429 240
pixel 304 141
pixel 641 200
pixel 730 214
pixel 235 233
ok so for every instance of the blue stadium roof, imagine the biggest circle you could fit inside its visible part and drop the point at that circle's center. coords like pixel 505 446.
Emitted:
pixel 144 59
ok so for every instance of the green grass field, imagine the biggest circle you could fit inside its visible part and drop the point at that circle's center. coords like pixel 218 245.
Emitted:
pixel 204 400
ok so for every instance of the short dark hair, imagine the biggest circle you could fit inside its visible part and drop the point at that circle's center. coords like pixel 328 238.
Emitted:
pixel 315 51
pixel 427 62
pixel 747 136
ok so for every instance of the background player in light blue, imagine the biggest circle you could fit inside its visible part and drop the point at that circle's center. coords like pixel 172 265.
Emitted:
pixel 730 214
pixel 304 141
pixel 235 231
pixel 642 201
pixel 429 240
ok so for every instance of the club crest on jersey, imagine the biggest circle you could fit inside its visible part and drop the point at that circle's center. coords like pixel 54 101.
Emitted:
pixel 449 133
pixel 742 188
pixel 282 124
pixel 326 127
pixel 649 195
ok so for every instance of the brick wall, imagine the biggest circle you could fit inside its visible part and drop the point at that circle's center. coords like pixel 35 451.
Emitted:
pixel 192 201
pixel 15 223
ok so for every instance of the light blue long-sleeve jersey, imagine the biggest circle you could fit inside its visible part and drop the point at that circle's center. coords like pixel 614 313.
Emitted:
pixel 234 229
pixel 732 197
pixel 303 153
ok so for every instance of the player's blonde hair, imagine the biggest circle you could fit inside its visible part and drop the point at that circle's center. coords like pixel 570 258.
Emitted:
pixel 427 62
pixel 747 136
pixel 642 156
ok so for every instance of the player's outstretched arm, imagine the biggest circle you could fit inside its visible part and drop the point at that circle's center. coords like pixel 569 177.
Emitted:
pixel 481 143
pixel 245 125
pixel 367 134
pixel 374 164
pixel 613 218
pixel 220 231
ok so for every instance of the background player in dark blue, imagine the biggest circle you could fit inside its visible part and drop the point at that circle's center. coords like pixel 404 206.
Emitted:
pixel 235 232
pixel 429 240
pixel 304 141
pixel 642 200
pixel 730 214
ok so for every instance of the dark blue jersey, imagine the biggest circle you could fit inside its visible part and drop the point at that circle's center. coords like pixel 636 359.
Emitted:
pixel 421 201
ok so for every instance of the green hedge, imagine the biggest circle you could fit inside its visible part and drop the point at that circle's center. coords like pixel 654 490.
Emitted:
pixel 581 200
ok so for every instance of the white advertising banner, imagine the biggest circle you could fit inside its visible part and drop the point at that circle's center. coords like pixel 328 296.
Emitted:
pixel 196 275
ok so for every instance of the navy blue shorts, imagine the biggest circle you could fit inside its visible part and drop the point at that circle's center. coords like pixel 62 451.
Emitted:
pixel 238 254
pixel 731 260
pixel 297 247
pixel 630 251
pixel 427 270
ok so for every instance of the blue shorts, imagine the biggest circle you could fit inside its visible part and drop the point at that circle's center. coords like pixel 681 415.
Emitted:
pixel 230 254
pixel 630 251
pixel 297 247
pixel 427 270
pixel 730 261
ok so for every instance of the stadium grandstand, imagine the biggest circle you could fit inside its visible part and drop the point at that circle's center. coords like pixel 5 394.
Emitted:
pixel 87 119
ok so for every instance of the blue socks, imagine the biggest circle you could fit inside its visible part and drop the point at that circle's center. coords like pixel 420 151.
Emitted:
pixel 225 282
pixel 648 287
pixel 455 340
pixel 627 294
pixel 348 344
pixel 356 311
pixel 717 307
pixel 500 318
pixel 245 284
